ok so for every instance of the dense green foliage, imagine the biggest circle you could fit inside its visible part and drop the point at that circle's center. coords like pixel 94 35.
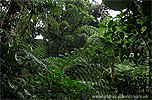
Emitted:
pixel 80 56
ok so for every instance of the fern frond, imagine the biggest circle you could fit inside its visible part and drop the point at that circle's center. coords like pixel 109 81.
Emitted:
pixel 39 48
pixel 80 65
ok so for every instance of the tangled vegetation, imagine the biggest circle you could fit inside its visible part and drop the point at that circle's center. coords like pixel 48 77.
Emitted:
pixel 85 53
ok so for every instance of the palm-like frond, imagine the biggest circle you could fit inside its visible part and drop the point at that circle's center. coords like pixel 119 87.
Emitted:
pixel 80 65
pixel 39 48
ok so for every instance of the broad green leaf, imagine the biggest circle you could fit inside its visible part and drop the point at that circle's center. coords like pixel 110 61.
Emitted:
pixel 102 26
pixel 27 92
pixel 107 34
pixel 97 47
pixel 12 85
pixel 110 24
pixel 106 20
pixel 21 95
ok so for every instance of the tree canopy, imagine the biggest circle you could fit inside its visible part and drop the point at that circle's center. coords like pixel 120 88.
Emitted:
pixel 85 53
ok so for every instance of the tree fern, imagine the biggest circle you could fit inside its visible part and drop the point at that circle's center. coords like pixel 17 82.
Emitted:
pixel 39 48
pixel 80 65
